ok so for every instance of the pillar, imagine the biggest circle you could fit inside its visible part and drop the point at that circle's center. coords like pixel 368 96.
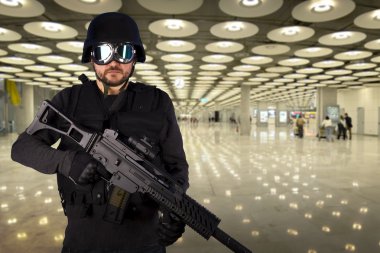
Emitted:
pixel 327 104
pixel 245 123
pixel 25 114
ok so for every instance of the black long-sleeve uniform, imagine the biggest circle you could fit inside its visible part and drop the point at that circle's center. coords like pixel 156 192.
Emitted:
pixel 144 111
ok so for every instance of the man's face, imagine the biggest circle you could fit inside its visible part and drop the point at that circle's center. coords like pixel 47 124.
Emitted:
pixel 113 73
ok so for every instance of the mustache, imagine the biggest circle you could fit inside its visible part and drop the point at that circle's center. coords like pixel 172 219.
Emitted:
pixel 112 68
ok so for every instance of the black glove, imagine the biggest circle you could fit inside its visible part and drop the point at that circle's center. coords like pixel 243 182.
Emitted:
pixel 169 231
pixel 85 169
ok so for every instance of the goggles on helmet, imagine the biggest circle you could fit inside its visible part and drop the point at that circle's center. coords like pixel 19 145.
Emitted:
pixel 104 53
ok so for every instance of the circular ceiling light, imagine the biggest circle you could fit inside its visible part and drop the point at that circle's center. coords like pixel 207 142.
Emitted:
pixel 51 30
pixel 346 78
pixel 13 60
pixel 148 73
pixel 217 58
pixel 257 60
pixel 57 74
pixel 9 69
pixel 8 35
pixel 177 58
pixel 54 59
pixel 338 72
pixel 312 52
pixel 209 73
pixel 178 46
pixel 234 30
pixel 268 75
pixel 353 55
pixel 45 79
pixel 328 64
pixel 258 79
pixel 29 48
pixel 309 70
pixel 3 52
pixel 170 7
pixel 290 34
pixel 173 28
pixel 178 66
pixel 314 11
pixel 6 76
pixel 238 74
pixel 39 68
pixel 224 47
pixel 28 75
pixel 368 20
pixel 376 59
pixel 73 67
pixel 90 6
pixel 145 66
pixel 271 49
pixel 279 69
pixel 179 73
pixel 291 62
pixel 21 9
pixel 320 77
pixel 342 38
pixel 373 45
pixel 213 67
pixel 295 76
pixel 361 66
pixel 246 67
pixel 71 46
pixel 249 8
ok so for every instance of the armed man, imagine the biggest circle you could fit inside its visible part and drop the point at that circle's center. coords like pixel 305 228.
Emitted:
pixel 95 222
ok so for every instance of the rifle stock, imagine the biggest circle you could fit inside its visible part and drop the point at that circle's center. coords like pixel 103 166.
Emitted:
pixel 133 172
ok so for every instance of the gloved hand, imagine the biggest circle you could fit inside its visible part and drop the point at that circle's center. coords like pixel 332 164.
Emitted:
pixel 169 231
pixel 85 169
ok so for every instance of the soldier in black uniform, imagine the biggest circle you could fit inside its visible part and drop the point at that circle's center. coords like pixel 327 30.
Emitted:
pixel 113 46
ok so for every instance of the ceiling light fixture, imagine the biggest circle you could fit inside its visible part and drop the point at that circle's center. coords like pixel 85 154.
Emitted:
pixel 174 24
pixel 322 6
pixel 250 3
pixel 313 49
pixel 51 27
pixel 11 3
pixel 376 15
pixel 89 1
pixel 176 43
pixel 3 31
pixel 290 31
pixel 30 46
pixel 341 35
pixel 224 44
pixel 234 26
pixel 76 44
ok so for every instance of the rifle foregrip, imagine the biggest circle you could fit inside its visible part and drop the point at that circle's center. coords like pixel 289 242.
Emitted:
pixel 230 242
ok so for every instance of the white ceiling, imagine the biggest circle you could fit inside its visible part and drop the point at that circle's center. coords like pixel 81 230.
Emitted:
pixel 283 49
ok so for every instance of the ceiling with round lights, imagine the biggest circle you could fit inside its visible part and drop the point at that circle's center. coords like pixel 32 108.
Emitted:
pixel 204 49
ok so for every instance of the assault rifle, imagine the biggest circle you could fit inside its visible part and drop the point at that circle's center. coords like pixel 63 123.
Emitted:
pixel 131 170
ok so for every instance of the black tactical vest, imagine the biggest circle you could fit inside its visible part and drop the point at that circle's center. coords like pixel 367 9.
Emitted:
pixel 140 114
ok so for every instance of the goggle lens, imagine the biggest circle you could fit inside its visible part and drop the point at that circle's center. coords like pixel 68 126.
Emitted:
pixel 105 53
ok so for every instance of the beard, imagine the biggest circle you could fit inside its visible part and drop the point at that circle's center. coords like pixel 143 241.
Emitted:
pixel 106 81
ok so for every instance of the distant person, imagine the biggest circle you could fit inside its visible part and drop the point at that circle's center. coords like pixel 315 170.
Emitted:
pixel 342 128
pixel 348 125
pixel 329 129
pixel 300 122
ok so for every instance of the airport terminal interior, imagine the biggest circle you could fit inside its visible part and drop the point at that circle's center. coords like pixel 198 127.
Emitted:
pixel 239 73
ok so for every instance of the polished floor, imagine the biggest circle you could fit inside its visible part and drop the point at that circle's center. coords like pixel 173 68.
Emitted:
pixel 274 192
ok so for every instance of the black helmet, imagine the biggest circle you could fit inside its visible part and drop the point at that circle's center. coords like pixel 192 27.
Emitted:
pixel 113 27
